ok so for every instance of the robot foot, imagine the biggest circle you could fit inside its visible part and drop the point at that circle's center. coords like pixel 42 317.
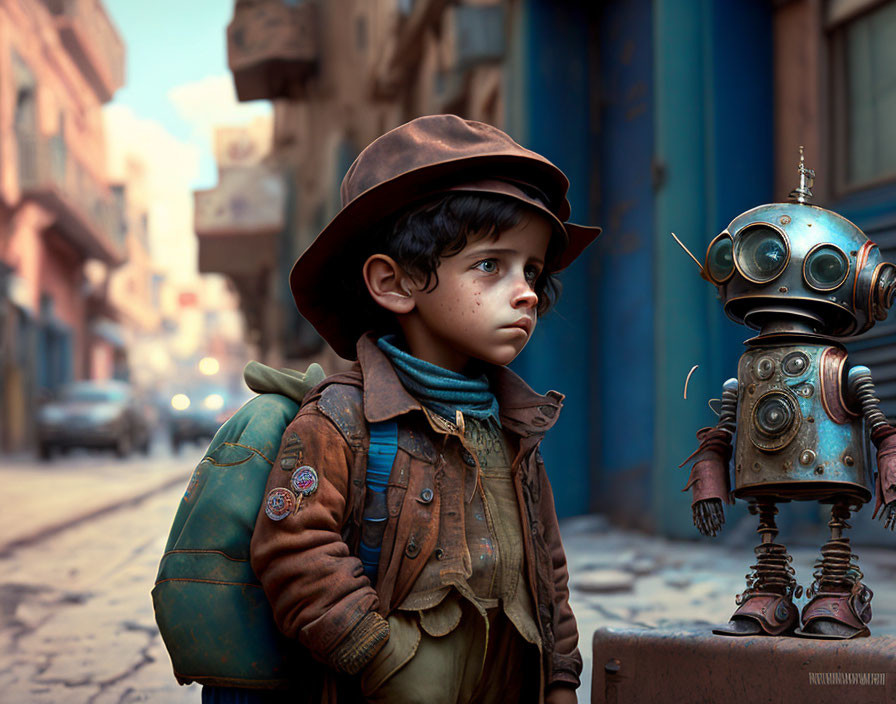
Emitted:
pixel 837 616
pixel 762 614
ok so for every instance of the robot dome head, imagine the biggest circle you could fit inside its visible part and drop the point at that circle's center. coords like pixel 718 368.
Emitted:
pixel 796 261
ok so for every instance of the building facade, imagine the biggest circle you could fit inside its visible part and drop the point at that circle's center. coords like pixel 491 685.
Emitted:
pixel 667 116
pixel 60 61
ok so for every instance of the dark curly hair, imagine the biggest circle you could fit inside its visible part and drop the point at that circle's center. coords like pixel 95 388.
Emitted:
pixel 418 239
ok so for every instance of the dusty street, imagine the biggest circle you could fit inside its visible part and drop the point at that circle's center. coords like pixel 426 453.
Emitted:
pixel 76 621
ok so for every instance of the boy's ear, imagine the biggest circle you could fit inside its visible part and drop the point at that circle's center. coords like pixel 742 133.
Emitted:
pixel 388 284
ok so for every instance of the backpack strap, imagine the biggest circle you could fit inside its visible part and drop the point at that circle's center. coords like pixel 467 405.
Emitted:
pixel 340 398
pixel 380 458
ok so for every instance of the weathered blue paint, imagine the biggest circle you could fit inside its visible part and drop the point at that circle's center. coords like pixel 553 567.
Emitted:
pixel 817 429
pixel 713 136
pixel 622 329
pixel 548 111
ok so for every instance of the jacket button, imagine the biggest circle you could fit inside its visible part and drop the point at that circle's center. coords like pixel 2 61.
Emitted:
pixel 468 458
pixel 412 549
pixel 425 496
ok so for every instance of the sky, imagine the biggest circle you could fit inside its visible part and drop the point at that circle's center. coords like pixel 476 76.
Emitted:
pixel 177 89
pixel 177 71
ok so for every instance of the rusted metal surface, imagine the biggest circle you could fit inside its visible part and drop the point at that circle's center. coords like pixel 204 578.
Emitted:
pixel 693 665
pixel 808 451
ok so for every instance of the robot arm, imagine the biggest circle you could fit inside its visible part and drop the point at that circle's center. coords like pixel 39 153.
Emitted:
pixel 709 482
pixel 883 435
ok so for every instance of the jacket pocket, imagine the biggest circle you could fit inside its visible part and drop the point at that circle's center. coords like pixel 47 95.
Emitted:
pixel 404 637
pixel 230 454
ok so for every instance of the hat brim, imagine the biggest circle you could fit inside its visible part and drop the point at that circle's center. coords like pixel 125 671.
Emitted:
pixel 317 287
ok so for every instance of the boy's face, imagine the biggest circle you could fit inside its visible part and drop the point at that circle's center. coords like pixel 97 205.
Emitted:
pixel 484 306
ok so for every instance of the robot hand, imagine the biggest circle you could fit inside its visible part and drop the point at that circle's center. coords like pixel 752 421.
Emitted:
pixel 709 516
pixel 889 516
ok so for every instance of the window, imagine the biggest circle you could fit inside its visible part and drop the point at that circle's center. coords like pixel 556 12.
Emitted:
pixel 865 100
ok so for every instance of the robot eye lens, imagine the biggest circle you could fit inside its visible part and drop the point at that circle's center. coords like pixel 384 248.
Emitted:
pixel 826 268
pixel 761 253
pixel 719 259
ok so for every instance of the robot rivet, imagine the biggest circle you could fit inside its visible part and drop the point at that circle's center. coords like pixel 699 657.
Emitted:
pixel 807 457
pixel 784 220
pixel 757 467
pixel 783 289
pixel 751 389
pixel 810 419
pixel 819 469
pixel 848 461
pixel 806 390
pixel 788 464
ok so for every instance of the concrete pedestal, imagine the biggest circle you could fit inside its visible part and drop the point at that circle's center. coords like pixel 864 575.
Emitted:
pixel 693 665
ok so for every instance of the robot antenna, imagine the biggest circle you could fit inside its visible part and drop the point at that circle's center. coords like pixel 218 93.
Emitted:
pixel 803 192
pixel 681 244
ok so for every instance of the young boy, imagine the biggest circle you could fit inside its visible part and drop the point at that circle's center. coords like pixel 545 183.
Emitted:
pixel 432 276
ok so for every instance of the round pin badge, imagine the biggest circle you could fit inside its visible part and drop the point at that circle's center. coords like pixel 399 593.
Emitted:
pixel 304 480
pixel 280 503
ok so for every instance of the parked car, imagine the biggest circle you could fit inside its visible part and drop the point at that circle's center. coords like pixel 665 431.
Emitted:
pixel 98 414
pixel 196 414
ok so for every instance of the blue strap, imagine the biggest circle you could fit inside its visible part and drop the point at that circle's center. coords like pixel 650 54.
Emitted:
pixel 380 458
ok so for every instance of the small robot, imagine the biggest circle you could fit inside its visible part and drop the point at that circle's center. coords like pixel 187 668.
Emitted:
pixel 802 416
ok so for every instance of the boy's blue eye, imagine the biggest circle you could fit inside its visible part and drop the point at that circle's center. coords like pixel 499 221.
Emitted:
pixel 489 266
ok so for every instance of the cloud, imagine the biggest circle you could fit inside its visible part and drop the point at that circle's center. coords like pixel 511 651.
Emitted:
pixel 211 102
pixel 170 166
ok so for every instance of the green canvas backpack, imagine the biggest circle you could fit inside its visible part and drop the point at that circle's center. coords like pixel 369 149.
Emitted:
pixel 210 608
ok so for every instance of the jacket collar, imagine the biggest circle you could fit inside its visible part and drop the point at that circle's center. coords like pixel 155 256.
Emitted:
pixel 523 411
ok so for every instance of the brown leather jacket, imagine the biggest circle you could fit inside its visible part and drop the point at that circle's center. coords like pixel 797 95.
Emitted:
pixel 306 561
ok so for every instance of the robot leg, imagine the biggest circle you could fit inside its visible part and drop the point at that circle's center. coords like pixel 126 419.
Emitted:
pixel 766 606
pixel 840 604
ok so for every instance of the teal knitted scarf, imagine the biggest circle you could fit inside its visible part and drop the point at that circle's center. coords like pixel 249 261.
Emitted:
pixel 441 390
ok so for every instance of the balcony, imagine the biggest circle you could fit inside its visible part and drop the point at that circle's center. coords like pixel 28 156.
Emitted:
pixel 272 48
pixel 477 35
pixel 84 208
pixel 90 37
pixel 237 221
pixel 400 53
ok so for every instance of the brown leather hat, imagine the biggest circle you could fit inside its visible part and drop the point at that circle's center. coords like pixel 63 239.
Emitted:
pixel 422 158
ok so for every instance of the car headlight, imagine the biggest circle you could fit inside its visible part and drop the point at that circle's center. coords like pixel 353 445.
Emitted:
pixel 213 402
pixel 104 415
pixel 52 415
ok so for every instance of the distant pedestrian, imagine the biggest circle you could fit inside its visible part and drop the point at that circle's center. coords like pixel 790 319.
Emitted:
pixel 408 538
